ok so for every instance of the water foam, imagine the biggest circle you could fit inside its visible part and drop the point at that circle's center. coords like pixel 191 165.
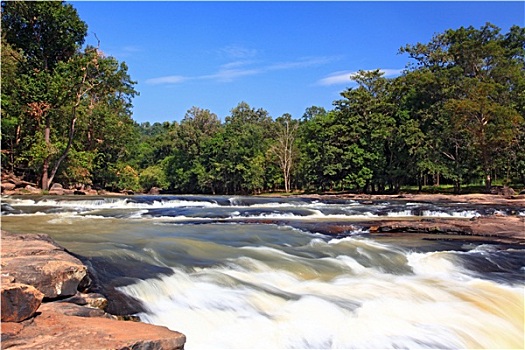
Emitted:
pixel 250 304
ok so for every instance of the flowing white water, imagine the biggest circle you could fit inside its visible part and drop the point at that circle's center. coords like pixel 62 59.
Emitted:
pixel 248 303
pixel 242 280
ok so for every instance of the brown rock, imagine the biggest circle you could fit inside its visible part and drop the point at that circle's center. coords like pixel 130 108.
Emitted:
pixel 94 300
pixel 56 189
pixel 63 324
pixel 51 329
pixel 8 186
pixel 38 261
pixel 19 301
pixel 154 191
pixel 508 229
pixel 31 189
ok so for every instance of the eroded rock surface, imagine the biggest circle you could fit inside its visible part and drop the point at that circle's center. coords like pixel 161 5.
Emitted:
pixel 36 269
pixel 53 329
pixel 19 301
pixel 38 261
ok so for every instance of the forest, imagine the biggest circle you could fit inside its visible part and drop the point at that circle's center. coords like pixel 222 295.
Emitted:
pixel 455 116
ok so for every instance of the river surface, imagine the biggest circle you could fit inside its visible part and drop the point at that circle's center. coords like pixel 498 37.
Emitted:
pixel 254 272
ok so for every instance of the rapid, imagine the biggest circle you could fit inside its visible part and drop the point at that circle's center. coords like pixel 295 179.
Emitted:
pixel 246 272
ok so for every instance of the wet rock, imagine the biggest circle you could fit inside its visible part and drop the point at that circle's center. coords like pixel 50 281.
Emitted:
pixel 19 301
pixel 38 261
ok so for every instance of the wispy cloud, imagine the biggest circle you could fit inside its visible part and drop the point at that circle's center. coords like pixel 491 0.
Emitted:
pixel 343 77
pixel 230 71
pixel 241 68
pixel 170 79
pixel 304 62
pixel 336 78
pixel 236 51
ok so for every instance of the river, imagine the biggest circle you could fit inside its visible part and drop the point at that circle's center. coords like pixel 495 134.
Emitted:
pixel 253 272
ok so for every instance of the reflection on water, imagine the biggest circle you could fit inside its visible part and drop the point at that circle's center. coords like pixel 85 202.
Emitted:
pixel 229 283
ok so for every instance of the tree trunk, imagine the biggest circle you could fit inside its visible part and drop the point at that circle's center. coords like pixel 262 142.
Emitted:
pixel 488 182
pixel 45 166
pixel 457 186
pixel 66 151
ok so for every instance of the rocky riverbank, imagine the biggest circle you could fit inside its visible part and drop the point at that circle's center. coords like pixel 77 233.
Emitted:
pixel 47 303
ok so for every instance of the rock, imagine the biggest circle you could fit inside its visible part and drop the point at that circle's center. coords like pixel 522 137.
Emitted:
pixel 8 186
pixel 32 190
pixel 79 192
pixel 78 322
pixel 505 229
pixel 18 182
pixel 38 261
pixel 154 191
pixel 56 189
pixel 52 329
pixel 94 300
pixel 503 191
pixel 19 301
pixel 70 309
pixel 56 186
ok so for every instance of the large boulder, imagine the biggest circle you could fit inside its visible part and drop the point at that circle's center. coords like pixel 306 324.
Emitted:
pixel 56 189
pixel 38 261
pixel 19 301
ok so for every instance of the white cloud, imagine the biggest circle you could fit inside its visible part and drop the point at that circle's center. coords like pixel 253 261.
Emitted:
pixel 228 74
pixel 301 63
pixel 170 79
pixel 241 68
pixel 336 78
pixel 343 77
pixel 391 72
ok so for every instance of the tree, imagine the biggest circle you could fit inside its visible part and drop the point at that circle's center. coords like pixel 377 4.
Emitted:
pixel 367 114
pixel 61 90
pixel 184 166
pixel 284 148
pixel 478 71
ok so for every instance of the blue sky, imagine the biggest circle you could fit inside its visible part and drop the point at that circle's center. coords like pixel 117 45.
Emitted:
pixel 280 56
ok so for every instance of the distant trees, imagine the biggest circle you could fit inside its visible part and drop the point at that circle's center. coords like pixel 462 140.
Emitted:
pixel 456 115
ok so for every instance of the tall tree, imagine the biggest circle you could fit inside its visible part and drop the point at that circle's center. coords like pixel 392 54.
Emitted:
pixel 478 71
pixel 284 147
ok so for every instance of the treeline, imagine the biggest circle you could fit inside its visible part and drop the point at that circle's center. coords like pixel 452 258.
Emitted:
pixel 456 115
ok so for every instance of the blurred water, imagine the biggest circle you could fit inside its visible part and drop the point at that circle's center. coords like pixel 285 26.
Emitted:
pixel 229 282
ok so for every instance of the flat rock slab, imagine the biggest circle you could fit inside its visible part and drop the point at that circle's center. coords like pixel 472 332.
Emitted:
pixel 504 229
pixel 52 329
pixel 38 261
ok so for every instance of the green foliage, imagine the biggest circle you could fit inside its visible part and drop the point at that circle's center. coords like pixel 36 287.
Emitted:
pixel 66 111
pixel 153 176
pixel 455 115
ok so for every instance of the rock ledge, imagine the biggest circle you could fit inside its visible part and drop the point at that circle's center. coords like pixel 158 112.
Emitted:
pixel 38 276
